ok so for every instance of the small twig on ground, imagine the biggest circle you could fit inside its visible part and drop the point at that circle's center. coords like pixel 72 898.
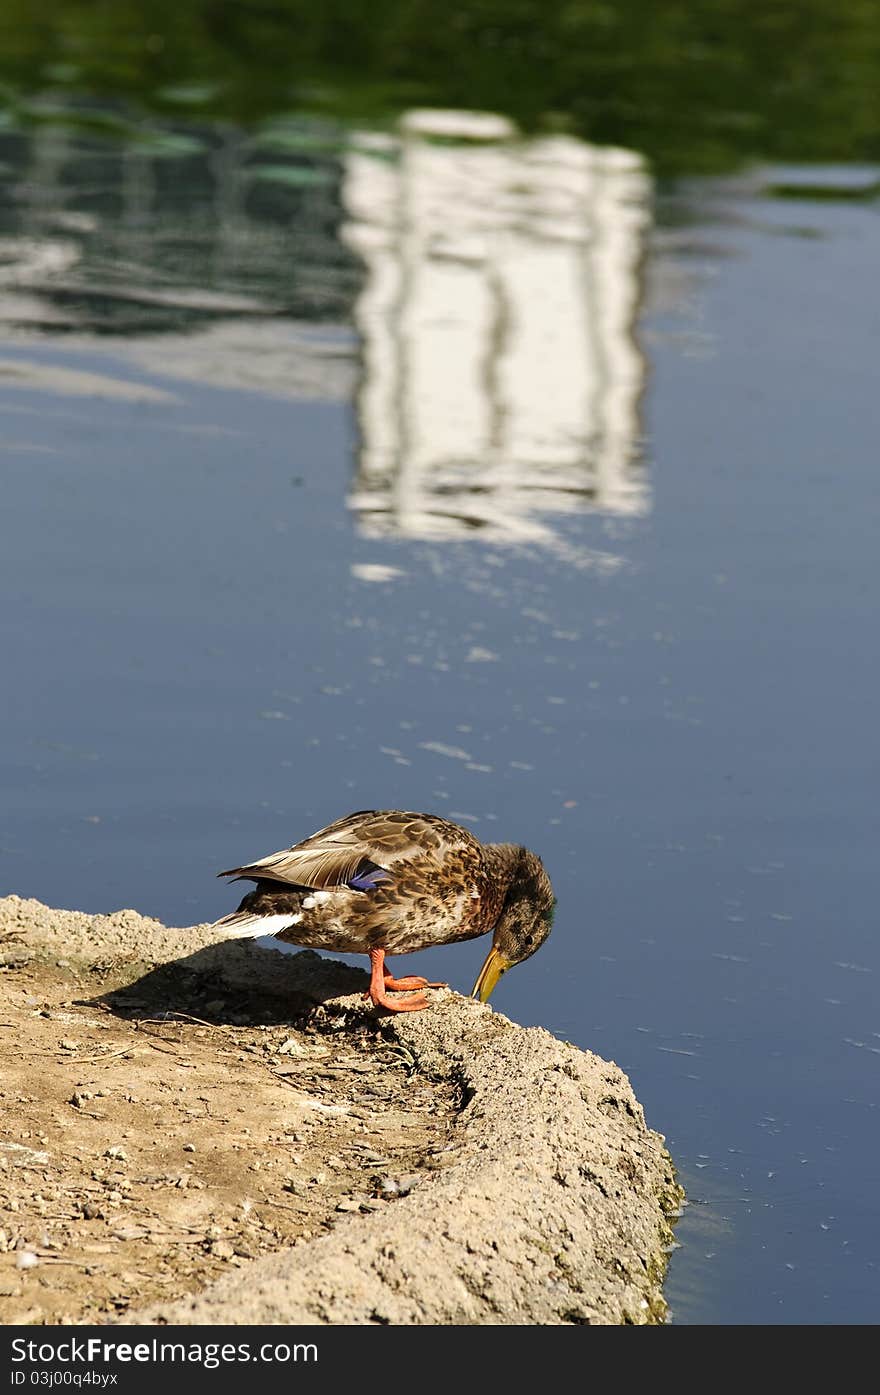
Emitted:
pixel 188 1017
pixel 102 1056
pixel 151 1036
pixel 284 1206
pixel 77 1263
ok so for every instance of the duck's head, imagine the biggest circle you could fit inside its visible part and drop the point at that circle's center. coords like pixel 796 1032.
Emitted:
pixel 524 922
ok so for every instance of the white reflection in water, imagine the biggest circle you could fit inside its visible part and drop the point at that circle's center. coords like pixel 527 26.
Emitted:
pixel 501 379
pixel 494 283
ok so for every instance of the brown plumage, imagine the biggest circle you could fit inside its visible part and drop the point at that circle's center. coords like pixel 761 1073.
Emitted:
pixel 390 882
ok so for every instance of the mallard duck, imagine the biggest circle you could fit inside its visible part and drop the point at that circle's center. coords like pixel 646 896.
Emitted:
pixel 383 882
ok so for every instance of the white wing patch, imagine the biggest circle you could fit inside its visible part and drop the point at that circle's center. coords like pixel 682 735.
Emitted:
pixel 256 925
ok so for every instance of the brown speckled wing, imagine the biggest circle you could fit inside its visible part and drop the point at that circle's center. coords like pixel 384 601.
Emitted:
pixel 332 856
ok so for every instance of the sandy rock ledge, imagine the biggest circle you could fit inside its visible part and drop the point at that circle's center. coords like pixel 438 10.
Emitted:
pixel 555 1205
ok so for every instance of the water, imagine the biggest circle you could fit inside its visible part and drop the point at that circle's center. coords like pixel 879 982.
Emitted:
pixel 550 507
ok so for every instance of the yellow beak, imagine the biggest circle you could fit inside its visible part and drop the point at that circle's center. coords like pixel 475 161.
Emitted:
pixel 494 967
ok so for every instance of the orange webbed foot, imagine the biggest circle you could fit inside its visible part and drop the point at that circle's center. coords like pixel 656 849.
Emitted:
pixel 397 985
pixel 414 1004
pixel 382 982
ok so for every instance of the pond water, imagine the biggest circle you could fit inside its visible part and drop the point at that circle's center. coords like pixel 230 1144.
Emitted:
pixel 439 469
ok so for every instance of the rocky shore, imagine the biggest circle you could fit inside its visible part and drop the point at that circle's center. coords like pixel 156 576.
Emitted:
pixel 197 1130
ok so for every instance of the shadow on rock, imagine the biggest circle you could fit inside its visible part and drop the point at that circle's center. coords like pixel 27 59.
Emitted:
pixel 236 984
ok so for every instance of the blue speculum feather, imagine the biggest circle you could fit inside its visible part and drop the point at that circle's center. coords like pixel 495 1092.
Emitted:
pixel 366 881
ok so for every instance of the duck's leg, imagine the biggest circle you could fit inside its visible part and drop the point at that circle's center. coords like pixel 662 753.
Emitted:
pixel 378 988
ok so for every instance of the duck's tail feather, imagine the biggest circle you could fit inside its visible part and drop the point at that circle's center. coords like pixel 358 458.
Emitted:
pixel 249 925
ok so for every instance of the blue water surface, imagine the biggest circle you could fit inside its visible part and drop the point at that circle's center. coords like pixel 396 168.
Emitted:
pixel 208 656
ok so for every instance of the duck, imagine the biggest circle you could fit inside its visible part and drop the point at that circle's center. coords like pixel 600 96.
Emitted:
pixel 385 882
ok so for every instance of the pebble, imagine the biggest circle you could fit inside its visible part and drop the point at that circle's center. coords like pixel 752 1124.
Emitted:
pixel 346 1204
pixel 399 1186
pixel 116 1152
pixel 26 1259
pixel 130 1232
